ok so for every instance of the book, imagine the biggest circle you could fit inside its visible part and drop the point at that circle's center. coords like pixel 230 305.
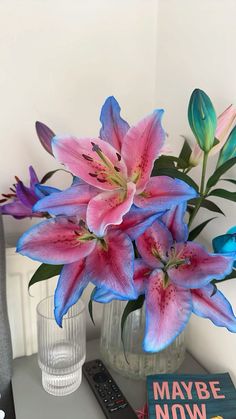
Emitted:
pixel 191 396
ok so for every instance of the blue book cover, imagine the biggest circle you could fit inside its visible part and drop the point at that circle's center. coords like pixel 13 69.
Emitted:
pixel 190 396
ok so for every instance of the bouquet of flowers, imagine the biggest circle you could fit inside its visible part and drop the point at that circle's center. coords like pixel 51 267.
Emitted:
pixel 125 222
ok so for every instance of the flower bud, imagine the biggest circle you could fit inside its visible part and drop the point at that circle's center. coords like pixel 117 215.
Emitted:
pixel 202 119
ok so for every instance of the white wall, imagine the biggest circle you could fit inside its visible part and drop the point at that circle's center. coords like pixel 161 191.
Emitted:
pixel 59 61
pixel 196 48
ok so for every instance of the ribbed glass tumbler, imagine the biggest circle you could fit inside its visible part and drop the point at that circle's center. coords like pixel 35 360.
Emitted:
pixel 61 351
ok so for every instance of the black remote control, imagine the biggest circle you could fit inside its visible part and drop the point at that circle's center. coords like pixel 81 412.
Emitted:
pixel 108 394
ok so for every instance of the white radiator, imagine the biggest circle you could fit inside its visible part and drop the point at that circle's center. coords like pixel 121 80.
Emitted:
pixel 22 304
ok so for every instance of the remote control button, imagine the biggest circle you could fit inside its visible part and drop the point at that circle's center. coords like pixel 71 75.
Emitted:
pixel 123 406
pixel 118 395
pixel 102 394
pixel 106 400
pixel 120 401
pixel 100 377
pixel 113 409
pixel 110 404
pixel 109 381
pixel 112 397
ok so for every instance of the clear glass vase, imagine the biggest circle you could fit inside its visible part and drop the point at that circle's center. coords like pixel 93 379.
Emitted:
pixel 139 363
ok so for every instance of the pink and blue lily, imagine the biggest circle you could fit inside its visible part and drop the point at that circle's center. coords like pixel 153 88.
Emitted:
pixel 86 257
pixel 175 277
pixel 118 165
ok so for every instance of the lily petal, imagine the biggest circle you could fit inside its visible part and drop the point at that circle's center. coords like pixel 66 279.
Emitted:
pixel 25 195
pixel 214 307
pixel 72 201
pixel 114 127
pixel 174 221
pixel 167 312
pixel 141 274
pixel 43 190
pixel 102 295
pixel 200 267
pixel 141 146
pixel 105 266
pixel 81 158
pixel 17 210
pixel 137 220
pixel 154 243
pixel 55 241
pixel 69 288
pixel 163 192
pixel 33 177
pixel 109 208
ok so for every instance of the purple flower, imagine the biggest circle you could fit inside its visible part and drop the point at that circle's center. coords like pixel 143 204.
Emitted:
pixel 23 198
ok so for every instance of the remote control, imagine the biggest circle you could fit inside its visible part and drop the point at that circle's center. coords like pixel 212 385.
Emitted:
pixel 107 392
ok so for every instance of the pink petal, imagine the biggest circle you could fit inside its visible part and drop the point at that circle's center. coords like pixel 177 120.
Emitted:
pixel 108 208
pixel 225 124
pixel 200 267
pixel 155 241
pixel 79 157
pixel 214 307
pixel 163 192
pixel 111 264
pixel 167 312
pixel 141 146
pixel 55 241
pixel 114 127
pixel 72 201
pixel 70 286
pixel 141 275
pixel 174 221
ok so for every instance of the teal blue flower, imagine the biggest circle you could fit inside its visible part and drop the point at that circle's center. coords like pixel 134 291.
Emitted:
pixel 226 243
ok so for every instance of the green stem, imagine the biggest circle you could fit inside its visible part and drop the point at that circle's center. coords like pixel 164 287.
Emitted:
pixel 202 190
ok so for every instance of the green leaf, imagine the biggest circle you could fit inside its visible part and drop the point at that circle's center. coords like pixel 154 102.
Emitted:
pixel 232 275
pixel 206 203
pixel 174 173
pixel 44 272
pixel 50 174
pixel 166 161
pixel 213 179
pixel 230 180
pixel 90 306
pixel 197 230
pixel 131 306
pixel 202 119
pixel 222 193
pixel 185 153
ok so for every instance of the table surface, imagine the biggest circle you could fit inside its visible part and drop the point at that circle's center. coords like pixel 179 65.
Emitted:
pixel 32 402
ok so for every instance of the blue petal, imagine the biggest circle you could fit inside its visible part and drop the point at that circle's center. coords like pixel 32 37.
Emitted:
pixel 104 295
pixel 114 127
pixel 137 220
pixel 42 190
pixel 70 286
